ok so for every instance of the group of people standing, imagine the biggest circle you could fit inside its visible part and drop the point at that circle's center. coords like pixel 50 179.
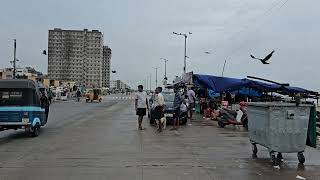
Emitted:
pixel 182 101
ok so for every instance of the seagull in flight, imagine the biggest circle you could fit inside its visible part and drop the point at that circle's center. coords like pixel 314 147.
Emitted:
pixel 264 60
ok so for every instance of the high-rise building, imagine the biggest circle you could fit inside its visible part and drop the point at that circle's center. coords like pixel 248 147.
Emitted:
pixel 106 66
pixel 76 55
pixel 118 84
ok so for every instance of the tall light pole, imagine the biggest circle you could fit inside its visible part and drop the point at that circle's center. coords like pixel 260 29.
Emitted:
pixel 156 68
pixel 185 35
pixel 165 68
pixel 14 58
pixel 150 76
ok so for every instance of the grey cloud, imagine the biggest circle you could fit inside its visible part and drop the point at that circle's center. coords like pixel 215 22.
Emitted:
pixel 140 32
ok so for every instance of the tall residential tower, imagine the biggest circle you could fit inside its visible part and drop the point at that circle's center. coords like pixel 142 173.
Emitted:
pixel 106 66
pixel 76 55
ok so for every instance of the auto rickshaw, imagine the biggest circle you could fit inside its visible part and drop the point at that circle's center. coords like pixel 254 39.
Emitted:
pixel 93 95
pixel 21 107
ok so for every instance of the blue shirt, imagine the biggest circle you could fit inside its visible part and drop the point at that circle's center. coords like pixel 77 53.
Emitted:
pixel 177 101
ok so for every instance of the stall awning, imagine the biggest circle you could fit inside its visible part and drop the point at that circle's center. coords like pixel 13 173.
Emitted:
pixel 220 84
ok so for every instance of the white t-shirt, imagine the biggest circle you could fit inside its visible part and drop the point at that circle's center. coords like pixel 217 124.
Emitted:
pixel 187 101
pixel 183 108
pixel 142 98
pixel 191 95
pixel 158 100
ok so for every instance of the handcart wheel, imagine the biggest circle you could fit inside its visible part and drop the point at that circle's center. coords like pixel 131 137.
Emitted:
pixel 279 156
pixel 254 151
pixel 301 157
pixel 274 159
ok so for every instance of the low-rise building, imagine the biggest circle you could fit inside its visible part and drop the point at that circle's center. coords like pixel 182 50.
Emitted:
pixel 21 73
pixel 6 73
pixel 51 82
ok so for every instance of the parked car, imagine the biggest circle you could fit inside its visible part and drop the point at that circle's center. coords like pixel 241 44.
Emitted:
pixel 64 95
pixel 168 109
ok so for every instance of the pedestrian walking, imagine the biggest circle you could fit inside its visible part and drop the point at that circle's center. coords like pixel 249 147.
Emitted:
pixel 192 99
pixel 44 103
pixel 176 106
pixel 50 95
pixel 78 94
pixel 141 105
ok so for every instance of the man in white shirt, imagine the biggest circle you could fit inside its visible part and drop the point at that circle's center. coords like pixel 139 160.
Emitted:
pixel 157 107
pixel 158 98
pixel 141 105
pixel 192 99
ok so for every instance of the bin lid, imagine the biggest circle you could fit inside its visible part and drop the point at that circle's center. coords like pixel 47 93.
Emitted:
pixel 276 104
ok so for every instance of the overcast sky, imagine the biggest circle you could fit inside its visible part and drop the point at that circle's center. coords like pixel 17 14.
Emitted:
pixel 140 33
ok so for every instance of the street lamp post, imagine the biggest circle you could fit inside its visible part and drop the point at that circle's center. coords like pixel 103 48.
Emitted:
pixel 185 49
pixel 165 68
pixel 156 68
pixel 150 76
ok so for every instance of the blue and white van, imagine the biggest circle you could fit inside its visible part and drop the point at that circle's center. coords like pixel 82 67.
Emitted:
pixel 20 106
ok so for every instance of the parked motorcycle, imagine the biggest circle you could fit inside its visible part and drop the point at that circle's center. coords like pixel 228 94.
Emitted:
pixel 229 117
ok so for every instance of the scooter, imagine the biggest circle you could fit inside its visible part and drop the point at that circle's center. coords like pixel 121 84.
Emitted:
pixel 228 117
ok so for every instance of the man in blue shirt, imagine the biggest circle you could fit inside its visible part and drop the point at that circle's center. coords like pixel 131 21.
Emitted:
pixel 176 106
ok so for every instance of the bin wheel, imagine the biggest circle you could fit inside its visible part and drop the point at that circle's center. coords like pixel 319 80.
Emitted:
pixel 279 156
pixel 254 151
pixel 221 124
pixel 275 160
pixel 246 127
pixel 301 157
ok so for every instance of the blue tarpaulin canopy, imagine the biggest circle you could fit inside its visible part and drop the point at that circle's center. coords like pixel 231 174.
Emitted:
pixel 261 86
pixel 220 84
pixel 247 92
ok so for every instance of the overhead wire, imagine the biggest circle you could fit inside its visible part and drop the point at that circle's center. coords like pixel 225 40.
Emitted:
pixel 259 26
pixel 249 24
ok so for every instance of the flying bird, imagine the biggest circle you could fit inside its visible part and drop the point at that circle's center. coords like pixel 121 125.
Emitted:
pixel 207 52
pixel 264 60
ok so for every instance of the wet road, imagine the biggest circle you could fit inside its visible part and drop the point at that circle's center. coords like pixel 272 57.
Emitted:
pixel 101 141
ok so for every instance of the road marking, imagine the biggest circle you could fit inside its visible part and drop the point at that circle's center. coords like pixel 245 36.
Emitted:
pixel 121 98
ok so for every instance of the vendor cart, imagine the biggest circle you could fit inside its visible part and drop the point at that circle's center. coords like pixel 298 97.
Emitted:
pixel 280 127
